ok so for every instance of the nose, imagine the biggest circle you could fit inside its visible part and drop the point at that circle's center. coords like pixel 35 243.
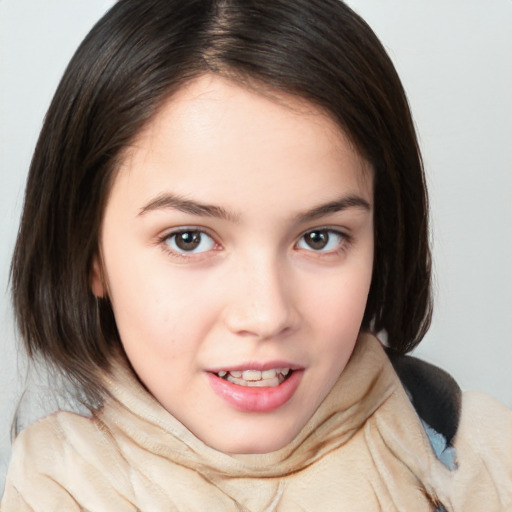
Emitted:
pixel 262 302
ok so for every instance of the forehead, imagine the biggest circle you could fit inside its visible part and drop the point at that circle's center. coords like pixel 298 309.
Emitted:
pixel 215 136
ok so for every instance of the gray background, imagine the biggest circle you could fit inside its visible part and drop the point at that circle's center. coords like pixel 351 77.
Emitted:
pixel 455 59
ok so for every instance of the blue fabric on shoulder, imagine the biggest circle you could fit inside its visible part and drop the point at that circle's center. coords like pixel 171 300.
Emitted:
pixel 444 452
pixel 437 399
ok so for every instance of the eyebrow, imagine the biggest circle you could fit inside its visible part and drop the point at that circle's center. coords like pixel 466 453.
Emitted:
pixel 338 205
pixel 175 202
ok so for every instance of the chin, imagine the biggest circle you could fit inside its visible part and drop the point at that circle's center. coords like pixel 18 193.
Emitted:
pixel 256 443
pixel 257 448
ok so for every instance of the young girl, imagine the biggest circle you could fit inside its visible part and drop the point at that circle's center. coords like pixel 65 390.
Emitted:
pixel 225 202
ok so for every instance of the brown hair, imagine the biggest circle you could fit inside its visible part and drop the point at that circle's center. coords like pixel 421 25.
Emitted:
pixel 137 55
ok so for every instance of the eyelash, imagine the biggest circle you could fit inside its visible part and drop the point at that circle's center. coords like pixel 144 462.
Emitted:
pixel 165 239
pixel 344 241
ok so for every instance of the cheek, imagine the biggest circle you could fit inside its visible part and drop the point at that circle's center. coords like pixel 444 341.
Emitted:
pixel 157 308
pixel 340 300
pixel 337 307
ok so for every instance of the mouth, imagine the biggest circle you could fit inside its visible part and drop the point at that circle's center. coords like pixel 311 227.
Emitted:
pixel 256 378
pixel 251 389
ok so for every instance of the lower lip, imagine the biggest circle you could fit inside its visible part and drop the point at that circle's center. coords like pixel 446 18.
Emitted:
pixel 252 399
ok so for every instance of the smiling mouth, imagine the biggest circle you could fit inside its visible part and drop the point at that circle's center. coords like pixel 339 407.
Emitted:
pixel 256 378
pixel 256 390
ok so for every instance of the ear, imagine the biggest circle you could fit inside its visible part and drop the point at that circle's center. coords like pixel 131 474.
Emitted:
pixel 97 279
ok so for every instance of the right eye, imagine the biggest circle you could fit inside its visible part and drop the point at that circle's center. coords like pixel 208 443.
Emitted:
pixel 322 240
pixel 189 241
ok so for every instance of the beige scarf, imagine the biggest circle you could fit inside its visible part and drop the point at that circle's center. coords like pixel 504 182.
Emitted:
pixel 363 450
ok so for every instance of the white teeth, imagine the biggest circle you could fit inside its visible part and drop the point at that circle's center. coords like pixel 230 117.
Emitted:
pixel 268 374
pixel 234 380
pixel 251 375
pixel 267 383
pixel 256 378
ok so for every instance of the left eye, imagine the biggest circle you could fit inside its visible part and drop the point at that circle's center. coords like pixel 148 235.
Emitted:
pixel 190 241
pixel 320 240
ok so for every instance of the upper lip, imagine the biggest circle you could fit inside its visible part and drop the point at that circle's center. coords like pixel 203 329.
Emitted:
pixel 255 365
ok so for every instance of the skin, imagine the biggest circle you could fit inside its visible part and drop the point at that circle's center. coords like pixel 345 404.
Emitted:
pixel 254 290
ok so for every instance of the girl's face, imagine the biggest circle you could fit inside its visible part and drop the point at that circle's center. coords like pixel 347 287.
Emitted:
pixel 237 249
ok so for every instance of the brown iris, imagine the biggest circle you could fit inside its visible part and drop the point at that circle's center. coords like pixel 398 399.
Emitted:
pixel 188 240
pixel 317 239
